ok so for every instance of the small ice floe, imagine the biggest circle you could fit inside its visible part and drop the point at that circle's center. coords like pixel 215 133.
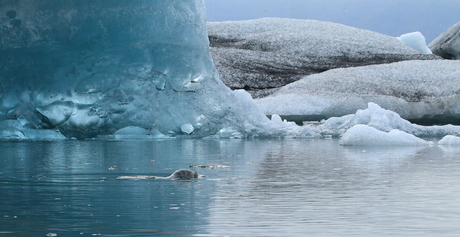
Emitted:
pixel 415 40
pixel 183 174
pixel 364 135
pixel 450 140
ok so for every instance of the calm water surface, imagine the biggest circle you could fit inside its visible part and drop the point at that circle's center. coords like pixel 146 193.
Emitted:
pixel 250 188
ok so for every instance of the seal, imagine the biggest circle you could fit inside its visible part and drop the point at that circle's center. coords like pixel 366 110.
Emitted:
pixel 182 174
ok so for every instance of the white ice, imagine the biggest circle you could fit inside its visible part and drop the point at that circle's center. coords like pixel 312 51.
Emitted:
pixel 450 140
pixel 307 37
pixel 364 135
pixel 187 128
pixel 413 89
pixel 383 120
pixel 415 40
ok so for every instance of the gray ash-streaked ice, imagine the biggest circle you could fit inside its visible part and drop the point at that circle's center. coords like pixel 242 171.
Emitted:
pixel 425 91
pixel 447 45
pixel 89 68
pixel 262 54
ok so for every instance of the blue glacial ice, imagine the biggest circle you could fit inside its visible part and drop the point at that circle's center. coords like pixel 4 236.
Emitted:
pixel 415 40
pixel 85 69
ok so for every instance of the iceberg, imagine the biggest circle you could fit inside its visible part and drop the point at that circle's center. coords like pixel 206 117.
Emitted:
pixel 142 69
pixel 450 140
pixel 425 92
pixel 263 54
pixel 363 135
pixel 383 120
pixel 415 40
pixel 447 45
pixel 92 68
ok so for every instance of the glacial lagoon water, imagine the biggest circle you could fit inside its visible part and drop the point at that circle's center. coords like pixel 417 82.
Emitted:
pixel 288 187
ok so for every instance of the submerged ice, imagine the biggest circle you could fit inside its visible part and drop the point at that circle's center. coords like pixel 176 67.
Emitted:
pixel 91 69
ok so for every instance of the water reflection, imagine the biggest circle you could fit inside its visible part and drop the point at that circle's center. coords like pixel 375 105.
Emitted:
pixel 68 188
pixel 250 188
pixel 318 188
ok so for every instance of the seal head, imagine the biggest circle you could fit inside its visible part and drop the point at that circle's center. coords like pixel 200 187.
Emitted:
pixel 184 174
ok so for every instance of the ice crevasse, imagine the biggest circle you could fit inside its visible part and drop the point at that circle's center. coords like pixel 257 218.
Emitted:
pixel 89 68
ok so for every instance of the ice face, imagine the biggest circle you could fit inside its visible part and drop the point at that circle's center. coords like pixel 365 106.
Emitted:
pixel 94 67
pixel 416 41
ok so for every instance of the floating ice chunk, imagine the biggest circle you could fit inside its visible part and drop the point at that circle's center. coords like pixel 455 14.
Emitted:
pixel 384 120
pixel 416 41
pixel 450 140
pixel 187 128
pixel 363 135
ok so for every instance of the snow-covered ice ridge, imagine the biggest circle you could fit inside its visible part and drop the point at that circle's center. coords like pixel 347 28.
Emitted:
pixel 414 89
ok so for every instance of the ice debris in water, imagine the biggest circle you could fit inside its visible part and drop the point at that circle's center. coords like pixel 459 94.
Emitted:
pixel 415 40
pixel 384 120
pixel 364 135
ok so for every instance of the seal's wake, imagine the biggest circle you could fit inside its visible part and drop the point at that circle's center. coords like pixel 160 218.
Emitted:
pixel 183 174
